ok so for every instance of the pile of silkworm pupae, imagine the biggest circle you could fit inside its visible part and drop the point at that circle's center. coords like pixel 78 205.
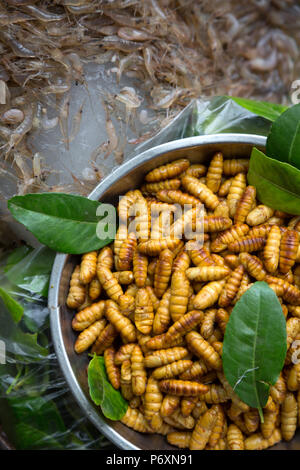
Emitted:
pixel 157 309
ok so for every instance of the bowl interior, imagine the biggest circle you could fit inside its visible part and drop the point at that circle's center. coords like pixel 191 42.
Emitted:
pixel 129 176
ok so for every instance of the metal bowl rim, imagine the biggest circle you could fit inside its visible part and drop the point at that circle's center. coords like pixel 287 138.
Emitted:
pixel 60 259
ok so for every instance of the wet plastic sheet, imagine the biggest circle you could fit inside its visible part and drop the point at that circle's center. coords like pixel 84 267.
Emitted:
pixel 209 116
pixel 37 410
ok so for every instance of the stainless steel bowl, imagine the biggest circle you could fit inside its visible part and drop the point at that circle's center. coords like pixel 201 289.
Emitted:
pixel 128 176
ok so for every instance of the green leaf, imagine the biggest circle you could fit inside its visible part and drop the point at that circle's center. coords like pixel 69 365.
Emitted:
pixel 32 272
pixel 221 114
pixel 31 379
pixel 26 437
pixel 63 222
pixel 254 346
pixel 102 393
pixel 16 256
pixel 277 184
pixel 283 142
pixel 15 309
pixel 270 111
pixel 25 345
pixel 36 317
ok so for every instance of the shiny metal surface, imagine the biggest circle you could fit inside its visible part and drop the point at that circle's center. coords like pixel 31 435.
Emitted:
pixel 128 176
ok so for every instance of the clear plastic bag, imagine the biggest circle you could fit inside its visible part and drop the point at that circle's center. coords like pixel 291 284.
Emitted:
pixel 37 409
pixel 209 116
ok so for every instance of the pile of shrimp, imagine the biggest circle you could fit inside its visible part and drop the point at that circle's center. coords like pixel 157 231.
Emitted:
pixel 176 49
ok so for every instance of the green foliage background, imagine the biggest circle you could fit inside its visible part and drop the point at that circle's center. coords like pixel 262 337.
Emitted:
pixel 37 410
